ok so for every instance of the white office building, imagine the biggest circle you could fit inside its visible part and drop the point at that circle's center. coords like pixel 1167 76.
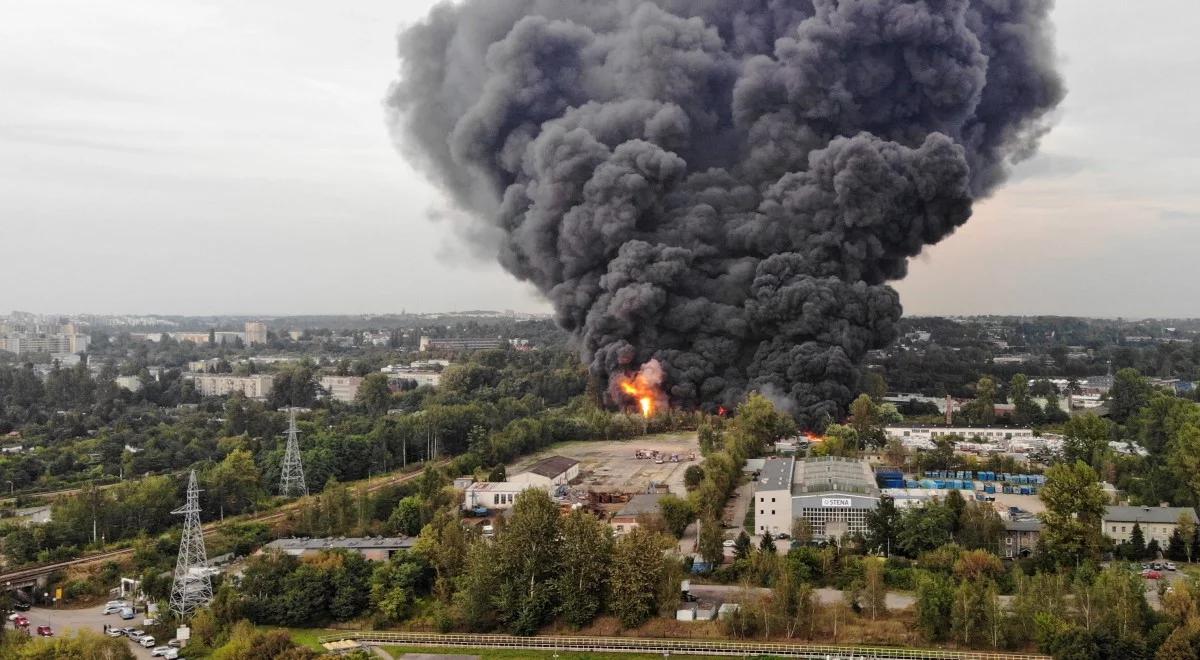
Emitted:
pixel 833 494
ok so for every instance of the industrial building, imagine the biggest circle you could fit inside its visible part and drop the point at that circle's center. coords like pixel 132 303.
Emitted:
pixel 547 475
pixel 629 516
pixel 833 494
pixel 548 472
pixel 379 548
pixel 460 344
pixel 923 436
pixel 1157 522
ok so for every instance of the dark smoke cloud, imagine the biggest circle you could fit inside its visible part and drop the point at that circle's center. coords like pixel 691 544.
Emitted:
pixel 725 186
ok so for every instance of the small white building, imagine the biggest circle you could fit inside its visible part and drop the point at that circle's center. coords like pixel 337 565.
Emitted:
pixel 496 495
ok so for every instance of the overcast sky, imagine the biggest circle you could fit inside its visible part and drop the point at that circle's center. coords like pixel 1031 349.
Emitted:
pixel 192 157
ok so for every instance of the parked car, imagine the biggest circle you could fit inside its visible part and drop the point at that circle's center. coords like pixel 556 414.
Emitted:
pixel 147 641
pixel 1151 574
pixel 115 632
pixel 728 543
pixel 1171 566
pixel 1156 566
pixel 177 643
pixel 782 536
pixel 45 631
pixel 114 609
pixel 21 606
pixel 127 613
pixel 161 651
pixel 20 622
pixel 136 635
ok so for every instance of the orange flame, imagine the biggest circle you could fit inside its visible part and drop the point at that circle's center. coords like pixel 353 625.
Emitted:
pixel 813 437
pixel 643 394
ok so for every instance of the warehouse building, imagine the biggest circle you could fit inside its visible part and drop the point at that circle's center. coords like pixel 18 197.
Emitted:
pixel 1158 523
pixel 833 494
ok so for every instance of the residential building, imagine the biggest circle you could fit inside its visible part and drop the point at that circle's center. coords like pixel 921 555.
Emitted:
pixel 341 388
pixel 459 344
pixel 257 386
pixel 833 494
pixel 256 332
pixel 378 548
pixel 628 517
pixel 923 437
pixel 65 341
pixel 549 472
pixel 1157 522
pixel 1020 537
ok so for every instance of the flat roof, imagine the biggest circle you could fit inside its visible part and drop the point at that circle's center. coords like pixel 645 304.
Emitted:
pixel 776 474
pixel 1027 525
pixel 361 543
pixel 497 486
pixel 834 474
pixel 553 466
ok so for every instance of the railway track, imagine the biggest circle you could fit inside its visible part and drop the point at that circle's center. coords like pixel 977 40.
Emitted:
pixel 33 572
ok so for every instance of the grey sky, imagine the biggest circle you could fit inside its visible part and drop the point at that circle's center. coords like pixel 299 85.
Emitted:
pixel 226 157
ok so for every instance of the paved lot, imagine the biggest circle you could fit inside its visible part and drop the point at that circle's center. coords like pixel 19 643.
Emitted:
pixel 610 465
pixel 66 622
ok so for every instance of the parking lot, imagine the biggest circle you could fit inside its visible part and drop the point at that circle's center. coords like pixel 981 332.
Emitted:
pixel 66 622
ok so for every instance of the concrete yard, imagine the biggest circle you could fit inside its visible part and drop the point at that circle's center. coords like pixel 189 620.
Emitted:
pixel 610 465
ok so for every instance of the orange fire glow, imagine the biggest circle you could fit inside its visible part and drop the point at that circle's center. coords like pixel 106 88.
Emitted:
pixel 640 392
pixel 813 437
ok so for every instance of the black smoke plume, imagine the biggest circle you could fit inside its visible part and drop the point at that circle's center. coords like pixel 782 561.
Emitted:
pixel 724 185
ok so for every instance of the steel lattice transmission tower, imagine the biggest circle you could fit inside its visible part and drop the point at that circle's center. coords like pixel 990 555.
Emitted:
pixel 193 586
pixel 291 474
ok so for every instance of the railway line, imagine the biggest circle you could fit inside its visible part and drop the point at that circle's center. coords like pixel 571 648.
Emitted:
pixel 33 572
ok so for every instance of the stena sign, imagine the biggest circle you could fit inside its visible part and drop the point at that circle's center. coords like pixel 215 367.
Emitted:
pixel 841 502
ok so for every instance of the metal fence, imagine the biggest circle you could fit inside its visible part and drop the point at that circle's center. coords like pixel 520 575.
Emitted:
pixel 669 647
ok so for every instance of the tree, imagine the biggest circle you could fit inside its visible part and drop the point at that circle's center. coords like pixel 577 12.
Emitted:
pixel 1186 526
pixel 882 523
pixel 1137 543
pixel 1025 411
pixel 692 476
pixel 766 544
pixel 874 386
pixel 234 482
pixel 1176 551
pixel 712 539
pixel 1075 505
pixel 636 570
pixel 864 419
pixel 802 531
pixel 373 394
pixel 1128 395
pixel 874 589
pixel 528 557
pixel 741 546
pixel 587 545
pixel 935 601
pixel 408 516
pixel 676 513
pixel 1085 438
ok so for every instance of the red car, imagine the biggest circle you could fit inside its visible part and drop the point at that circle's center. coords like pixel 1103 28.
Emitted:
pixel 1151 574
pixel 45 631
pixel 21 622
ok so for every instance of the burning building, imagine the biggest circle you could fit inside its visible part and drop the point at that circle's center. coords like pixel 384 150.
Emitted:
pixel 723 187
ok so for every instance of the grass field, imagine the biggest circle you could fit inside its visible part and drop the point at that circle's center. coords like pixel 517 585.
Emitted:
pixel 519 654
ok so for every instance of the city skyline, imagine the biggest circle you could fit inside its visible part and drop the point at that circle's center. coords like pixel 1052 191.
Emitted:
pixel 154 183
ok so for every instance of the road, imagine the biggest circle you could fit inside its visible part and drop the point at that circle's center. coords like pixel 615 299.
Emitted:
pixel 66 622
pixel 726 593
pixel 209 529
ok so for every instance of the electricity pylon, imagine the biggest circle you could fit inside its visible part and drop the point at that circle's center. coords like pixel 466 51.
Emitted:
pixel 291 474
pixel 192 588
